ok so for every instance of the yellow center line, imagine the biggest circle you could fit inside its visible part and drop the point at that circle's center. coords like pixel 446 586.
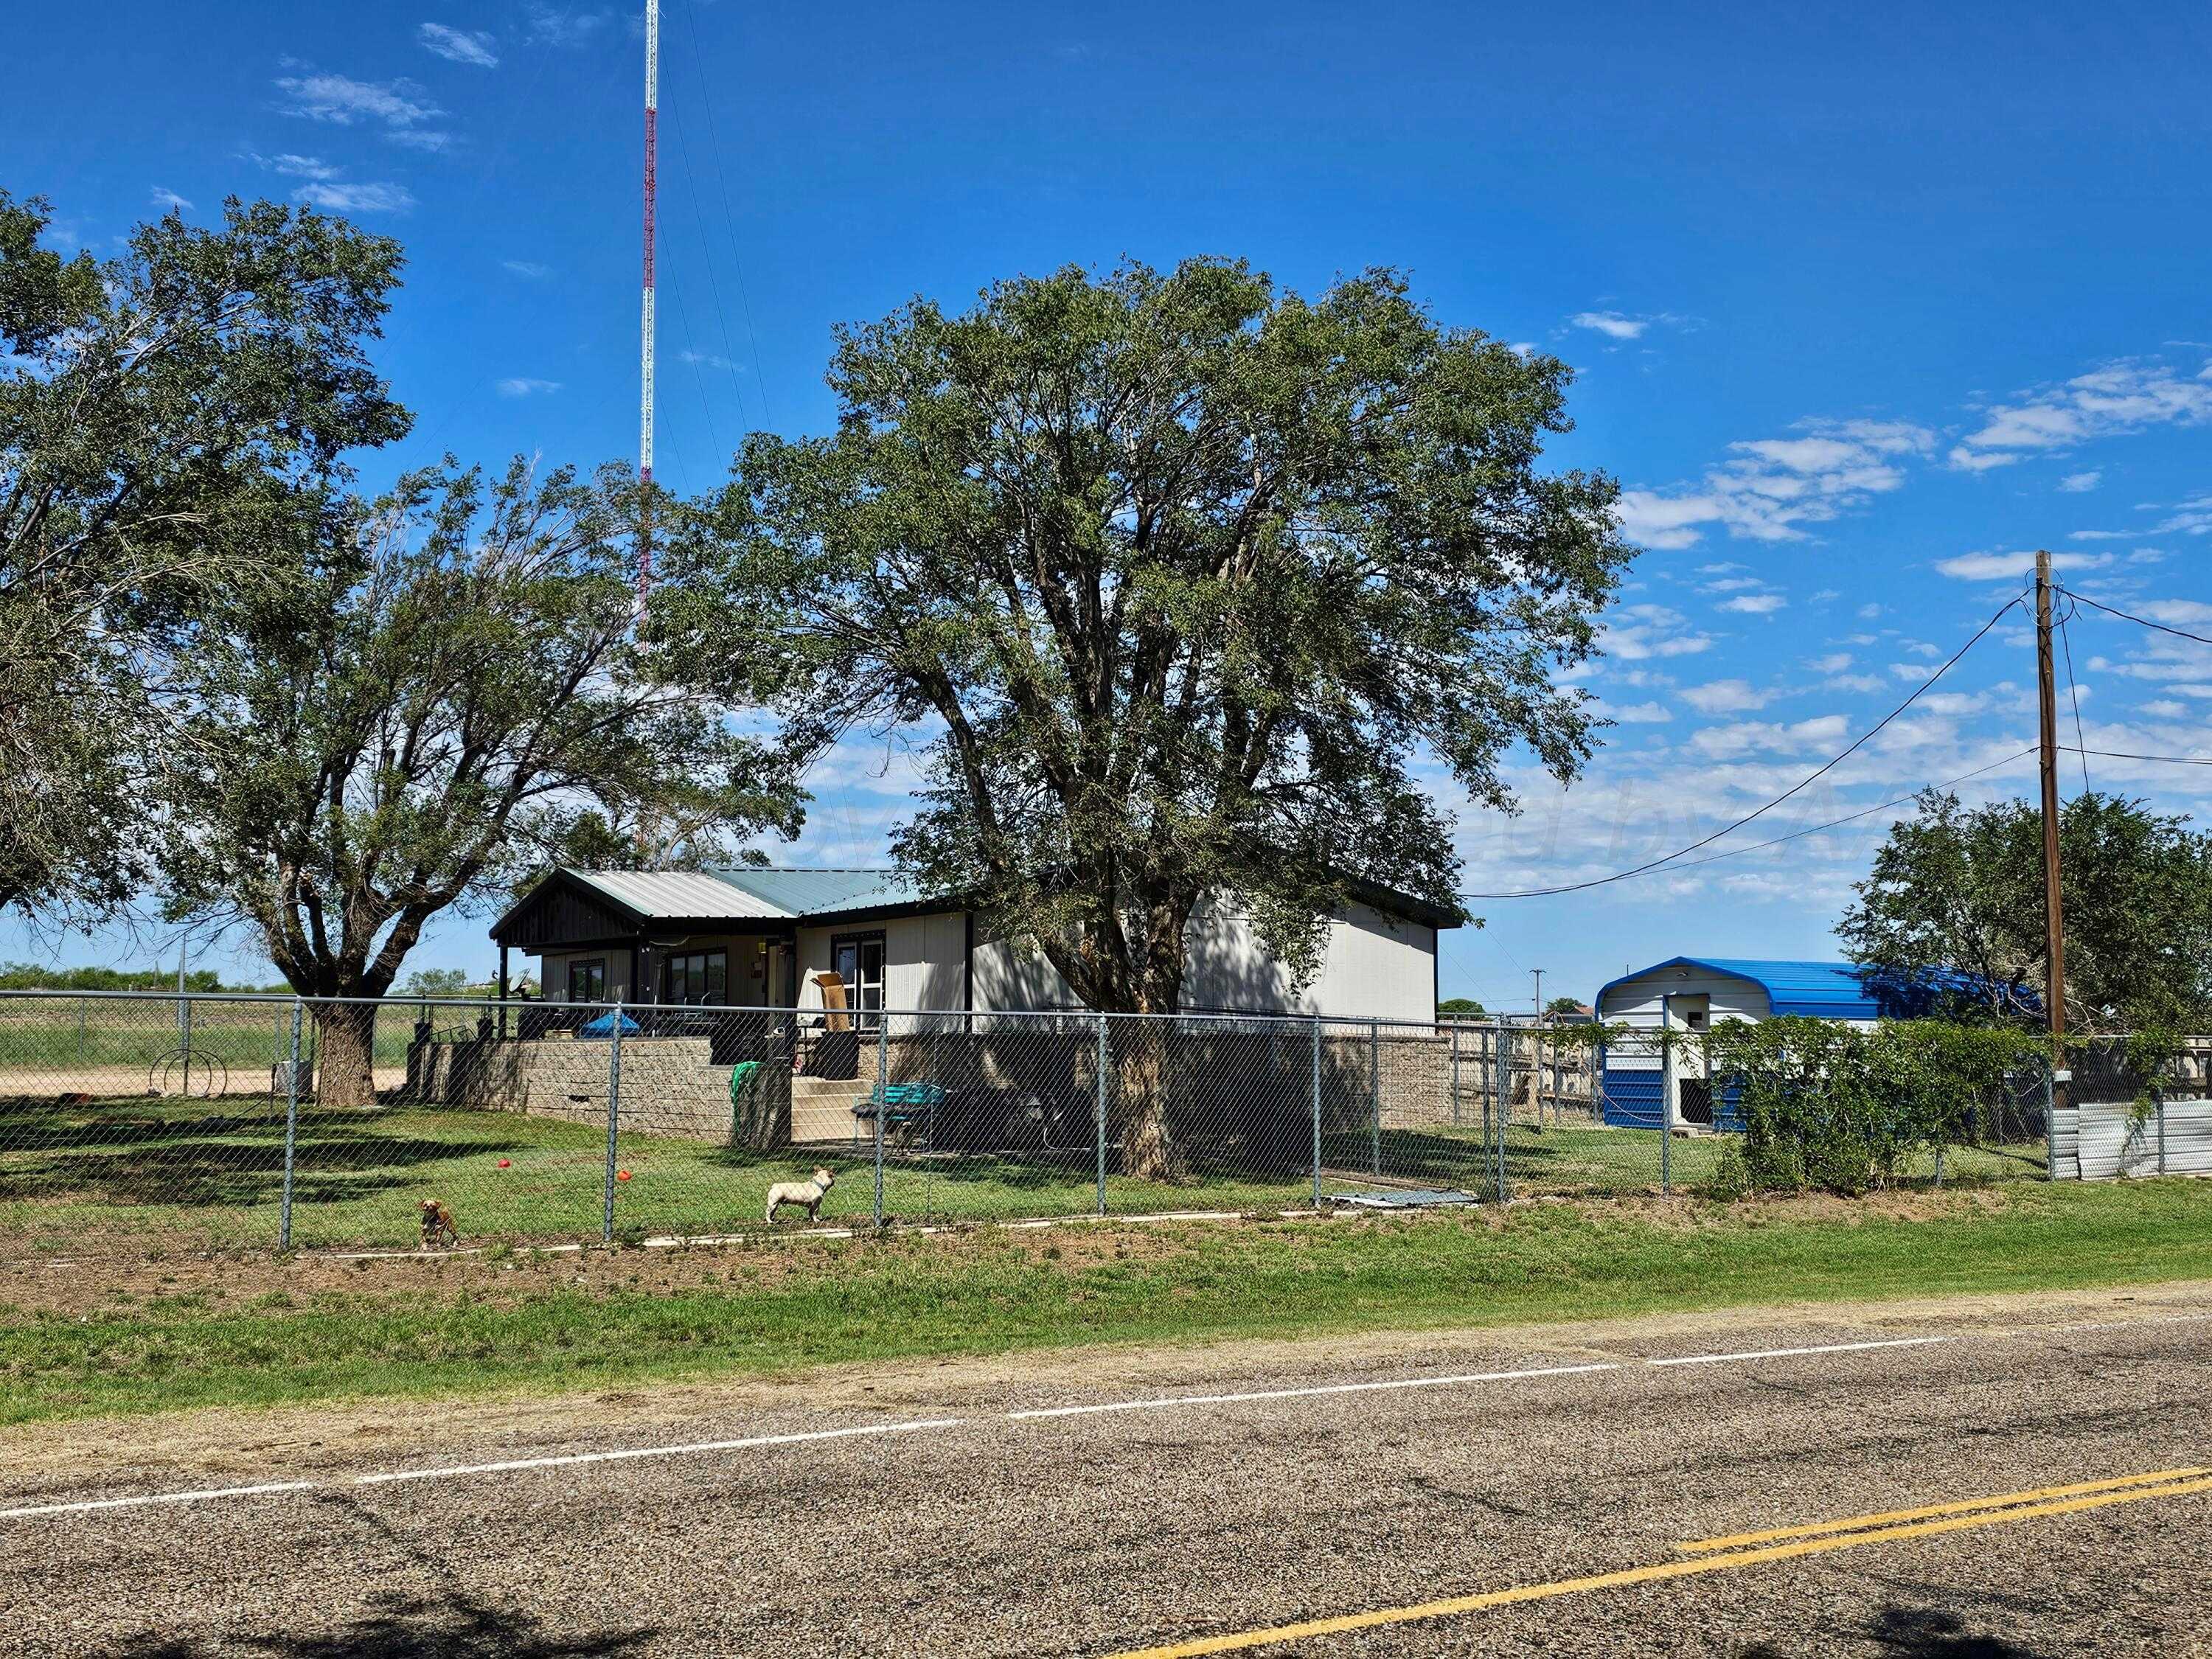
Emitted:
pixel 1244 1640
pixel 1860 1523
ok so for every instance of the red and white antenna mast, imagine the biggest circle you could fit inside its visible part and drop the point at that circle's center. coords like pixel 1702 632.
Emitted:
pixel 645 352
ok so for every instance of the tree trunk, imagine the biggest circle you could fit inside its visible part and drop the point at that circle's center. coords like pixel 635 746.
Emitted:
pixel 345 1053
pixel 1149 1149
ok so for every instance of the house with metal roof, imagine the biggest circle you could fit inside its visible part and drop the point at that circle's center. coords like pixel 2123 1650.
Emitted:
pixel 1646 1084
pixel 764 937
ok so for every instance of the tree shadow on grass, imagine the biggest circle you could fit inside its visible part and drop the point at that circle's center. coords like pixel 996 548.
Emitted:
pixel 128 1154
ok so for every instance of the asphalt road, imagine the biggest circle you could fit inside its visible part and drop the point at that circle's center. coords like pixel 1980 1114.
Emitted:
pixel 955 1525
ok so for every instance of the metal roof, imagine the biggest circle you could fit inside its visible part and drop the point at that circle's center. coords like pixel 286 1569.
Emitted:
pixel 1818 990
pixel 749 895
pixel 795 893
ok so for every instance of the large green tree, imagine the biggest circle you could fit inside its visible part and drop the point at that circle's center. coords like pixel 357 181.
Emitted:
pixel 173 421
pixel 447 694
pixel 1961 887
pixel 1188 578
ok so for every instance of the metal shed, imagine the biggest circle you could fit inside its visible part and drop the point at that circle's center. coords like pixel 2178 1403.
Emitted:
pixel 1643 1088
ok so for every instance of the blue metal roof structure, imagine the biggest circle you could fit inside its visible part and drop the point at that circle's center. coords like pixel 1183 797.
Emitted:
pixel 1823 990
pixel 1816 990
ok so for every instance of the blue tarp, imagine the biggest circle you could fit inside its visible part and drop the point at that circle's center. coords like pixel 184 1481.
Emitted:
pixel 604 1026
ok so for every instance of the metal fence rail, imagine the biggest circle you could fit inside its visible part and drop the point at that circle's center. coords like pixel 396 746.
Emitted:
pixel 140 1120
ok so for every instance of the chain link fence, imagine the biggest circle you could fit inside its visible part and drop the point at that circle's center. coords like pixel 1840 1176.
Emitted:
pixel 138 1121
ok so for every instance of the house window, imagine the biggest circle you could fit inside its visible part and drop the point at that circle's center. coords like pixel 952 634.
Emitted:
pixel 587 981
pixel 696 978
pixel 858 959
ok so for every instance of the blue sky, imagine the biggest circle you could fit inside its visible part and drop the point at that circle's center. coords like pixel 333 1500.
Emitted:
pixel 1863 305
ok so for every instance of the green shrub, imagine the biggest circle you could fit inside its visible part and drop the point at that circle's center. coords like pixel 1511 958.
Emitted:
pixel 1840 1109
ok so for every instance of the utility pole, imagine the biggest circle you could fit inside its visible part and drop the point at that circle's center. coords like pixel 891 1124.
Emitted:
pixel 1538 973
pixel 2054 911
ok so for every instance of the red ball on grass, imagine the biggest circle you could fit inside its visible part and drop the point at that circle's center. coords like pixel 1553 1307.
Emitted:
pixel 504 1164
pixel 621 1174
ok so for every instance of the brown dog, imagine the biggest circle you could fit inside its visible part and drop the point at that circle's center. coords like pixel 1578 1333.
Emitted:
pixel 438 1225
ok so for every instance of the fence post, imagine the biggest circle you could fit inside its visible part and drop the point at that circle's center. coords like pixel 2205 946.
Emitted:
pixel 1502 1078
pixel 1375 1095
pixel 2050 1123
pixel 1317 1111
pixel 2161 1132
pixel 1099 1134
pixel 883 1104
pixel 291 1130
pixel 614 1117
pixel 1666 1114
pixel 1454 1073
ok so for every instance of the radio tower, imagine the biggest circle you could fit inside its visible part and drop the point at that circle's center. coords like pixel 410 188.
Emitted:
pixel 645 352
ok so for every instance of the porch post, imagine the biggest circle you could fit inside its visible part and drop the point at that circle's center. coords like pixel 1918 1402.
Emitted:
pixel 503 989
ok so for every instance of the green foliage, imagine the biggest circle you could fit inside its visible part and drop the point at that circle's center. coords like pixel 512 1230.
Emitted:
pixel 1828 1105
pixel 1188 571
pixel 1962 887
pixel 438 982
pixel 29 976
pixel 172 427
pixel 1460 1008
pixel 447 688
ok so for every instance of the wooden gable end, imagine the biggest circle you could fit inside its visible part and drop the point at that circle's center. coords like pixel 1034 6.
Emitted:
pixel 562 912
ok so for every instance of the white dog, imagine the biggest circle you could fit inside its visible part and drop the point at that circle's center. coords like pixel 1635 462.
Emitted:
pixel 807 1195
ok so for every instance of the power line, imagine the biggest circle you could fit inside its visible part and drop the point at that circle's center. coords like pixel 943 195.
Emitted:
pixel 2074 689
pixel 1853 818
pixel 2140 622
pixel 2164 760
pixel 1794 789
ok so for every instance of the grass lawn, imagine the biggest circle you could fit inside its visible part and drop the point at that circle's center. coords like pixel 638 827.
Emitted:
pixel 126 1175
pixel 177 1334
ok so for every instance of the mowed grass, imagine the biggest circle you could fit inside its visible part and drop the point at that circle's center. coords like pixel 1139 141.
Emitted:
pixel 133 1175
pixel 458 1327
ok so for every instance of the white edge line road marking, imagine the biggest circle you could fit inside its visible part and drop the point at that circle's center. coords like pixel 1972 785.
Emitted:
pixel 1794 1353
pixel 157 1497
pixel 1301 1393
pixel 626 1453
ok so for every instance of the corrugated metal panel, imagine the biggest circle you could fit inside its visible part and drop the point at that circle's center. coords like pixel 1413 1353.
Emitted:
pixel 681 893
pixel 2100 1140
pixel 1633 1099
pixel 819 892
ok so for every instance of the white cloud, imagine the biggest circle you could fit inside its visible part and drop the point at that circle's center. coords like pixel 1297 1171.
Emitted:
pixel 1771 487
pixel 1756 604
pixel 524 385
pixel 707 358
pixel 2008 566
pixel 421 138
pixel 1639 632
pixel 472 47
pixel 2080 484
pixel 1611 323
pixel 2121 397
pixel 1833 664
pixel 528 268
pixel 164 196
pixel 343 101
pixel 1726 698
pixel 558 26
pixel 297 166
pixel 1743 737
pixel 1639 714
pixel 340 197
